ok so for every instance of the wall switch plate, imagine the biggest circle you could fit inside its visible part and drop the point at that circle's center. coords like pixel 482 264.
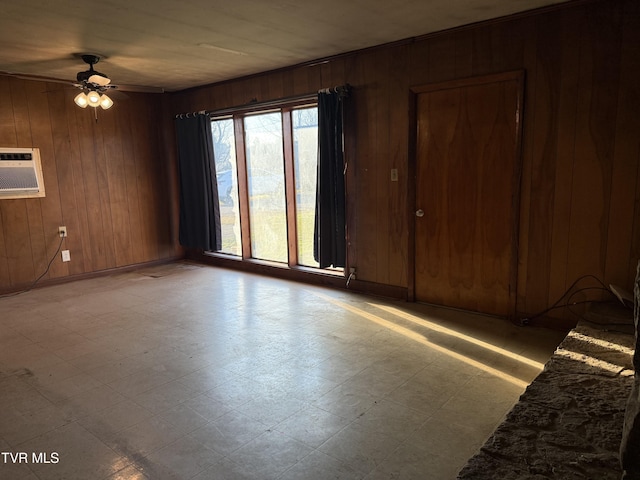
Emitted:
pixel 394 174
pixel 66 256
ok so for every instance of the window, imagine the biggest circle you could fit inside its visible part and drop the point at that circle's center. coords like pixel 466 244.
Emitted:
pixel 305 155
pixel 265 186
pixel 266 165
pixel 224 151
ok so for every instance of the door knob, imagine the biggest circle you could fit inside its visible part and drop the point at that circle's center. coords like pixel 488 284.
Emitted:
pixel 419 213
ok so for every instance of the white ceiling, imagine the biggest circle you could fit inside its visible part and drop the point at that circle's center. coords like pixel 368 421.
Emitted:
pixel 174 45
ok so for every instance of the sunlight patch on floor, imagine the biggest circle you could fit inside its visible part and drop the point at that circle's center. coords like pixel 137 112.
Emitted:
pixel 421 339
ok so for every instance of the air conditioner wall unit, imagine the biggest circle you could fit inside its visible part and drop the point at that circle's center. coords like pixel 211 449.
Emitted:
pixel 20 173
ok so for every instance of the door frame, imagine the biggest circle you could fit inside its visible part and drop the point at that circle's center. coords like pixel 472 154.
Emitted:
pixel 519 77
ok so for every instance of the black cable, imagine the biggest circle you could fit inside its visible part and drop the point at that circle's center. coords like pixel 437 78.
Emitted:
pixel 581 302
pixel 606 324
pixel 527 319
pixel 40 277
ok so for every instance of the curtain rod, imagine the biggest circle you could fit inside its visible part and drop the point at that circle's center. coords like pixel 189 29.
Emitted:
pixel 343 90
pixel 190 114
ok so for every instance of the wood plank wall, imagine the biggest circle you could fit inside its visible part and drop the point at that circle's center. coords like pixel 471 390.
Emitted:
pixel 105 181
pixel 580 192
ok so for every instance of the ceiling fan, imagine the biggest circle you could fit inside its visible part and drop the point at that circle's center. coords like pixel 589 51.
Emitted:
pixel 93 84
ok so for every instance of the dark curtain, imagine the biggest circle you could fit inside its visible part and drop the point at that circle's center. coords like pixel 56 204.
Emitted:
pixel 199 207
pixel 329 243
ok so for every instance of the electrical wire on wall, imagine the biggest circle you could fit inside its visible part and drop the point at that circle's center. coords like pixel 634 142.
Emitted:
pixel 28 289
pixel 568 303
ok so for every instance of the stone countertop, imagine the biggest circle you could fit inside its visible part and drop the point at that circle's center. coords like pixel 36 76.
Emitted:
pixel 568 423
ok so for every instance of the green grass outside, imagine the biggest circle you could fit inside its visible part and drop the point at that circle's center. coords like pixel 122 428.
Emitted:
pixel 270 228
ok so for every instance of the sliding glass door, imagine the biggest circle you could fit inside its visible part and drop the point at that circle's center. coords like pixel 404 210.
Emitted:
pixel 305 155
pixel 265 186
pixel 266 166
pixel 224 151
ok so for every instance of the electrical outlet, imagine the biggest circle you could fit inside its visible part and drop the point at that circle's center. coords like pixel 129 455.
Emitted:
pixel 62 231
pixel 352 275
pixel 394 174
pixel 66 256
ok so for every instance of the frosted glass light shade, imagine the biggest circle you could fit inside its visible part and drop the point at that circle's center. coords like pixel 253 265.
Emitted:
pixel 105 102
pixel 81 100
pixel 93 98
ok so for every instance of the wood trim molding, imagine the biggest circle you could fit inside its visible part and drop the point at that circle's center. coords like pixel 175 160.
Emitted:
pixel 86 276
pixel 304 275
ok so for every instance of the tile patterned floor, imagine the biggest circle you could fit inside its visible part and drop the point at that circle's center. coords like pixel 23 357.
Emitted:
pixel 191 372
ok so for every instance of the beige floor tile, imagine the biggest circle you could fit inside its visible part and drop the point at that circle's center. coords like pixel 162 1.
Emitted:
pixel 234 393
pixel 272 408
pixel 128 473
pixel 375 381
pixel 145 437
pixel 318 466
pixel 346 402
pixel 27 356
pixel 408 462
pixel 85 349
pixel 207 378
pixel 270 454
pixel 306 385
pixel 359 448
pixel 120 416
pixel 64 390
pixel 446 438
pixel 391 419
pixel 90 402
pixel 17 427
pixel 187 419
pixel 9 338
pixel 16 393
pixel 203 406
pixel 12 467
pixel 482 416
pixel 140 382
pixel 186 371
pixel 52 373
pixel 229 432
pixel 312 426
pixel 226 469
pixel 161 398
pixel 80 454
pixel 184 458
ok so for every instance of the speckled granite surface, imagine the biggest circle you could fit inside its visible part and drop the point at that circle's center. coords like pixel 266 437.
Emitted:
pixel 568 423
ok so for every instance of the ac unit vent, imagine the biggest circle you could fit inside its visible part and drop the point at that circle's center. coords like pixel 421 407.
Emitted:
pixel 20 173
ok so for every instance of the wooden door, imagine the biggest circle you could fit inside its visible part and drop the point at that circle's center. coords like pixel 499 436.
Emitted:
pixel 467 193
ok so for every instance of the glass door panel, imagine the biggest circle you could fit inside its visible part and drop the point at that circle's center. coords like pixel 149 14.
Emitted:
pixel 224 150
pixel 266 186
pixel 305 156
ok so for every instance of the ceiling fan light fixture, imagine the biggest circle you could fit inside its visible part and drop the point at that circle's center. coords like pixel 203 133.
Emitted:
pixel 99 79
pixel 105 102
pixel 81 100
pixel 93 98
pixel 93 85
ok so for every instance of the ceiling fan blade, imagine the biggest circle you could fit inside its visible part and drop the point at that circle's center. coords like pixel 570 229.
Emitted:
pixel 108 85
pixel 40 78
pixel 138 88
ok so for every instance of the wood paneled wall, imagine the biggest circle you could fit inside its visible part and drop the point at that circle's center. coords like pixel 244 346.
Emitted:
pixel 106 181
pixel 112 183
pixel 580 190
